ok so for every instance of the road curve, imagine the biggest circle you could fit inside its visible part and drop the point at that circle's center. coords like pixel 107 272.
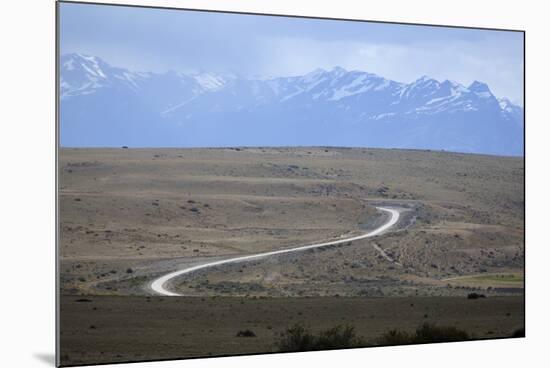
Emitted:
pixel 158 284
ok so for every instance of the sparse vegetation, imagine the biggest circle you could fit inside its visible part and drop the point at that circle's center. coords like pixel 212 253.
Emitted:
pixel 425 333
pixel 300 338
pixel 230 201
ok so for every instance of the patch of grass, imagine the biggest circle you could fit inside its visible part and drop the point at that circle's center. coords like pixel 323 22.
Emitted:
pixel 492 280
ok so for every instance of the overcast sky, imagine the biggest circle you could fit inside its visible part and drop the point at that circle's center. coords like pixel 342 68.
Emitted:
pixel 159 40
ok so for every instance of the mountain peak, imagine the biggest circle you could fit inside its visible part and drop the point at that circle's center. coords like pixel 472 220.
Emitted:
pixel 75 55
pixel 479 87
pixel 317 71
pixel 338 70
pixel 504 101
pixel 92 65
pixel 424 81
pixel 426 78
pixel 83 58
pixel 507 105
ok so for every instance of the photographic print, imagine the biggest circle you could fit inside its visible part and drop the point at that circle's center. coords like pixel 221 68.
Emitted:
pixel 234 183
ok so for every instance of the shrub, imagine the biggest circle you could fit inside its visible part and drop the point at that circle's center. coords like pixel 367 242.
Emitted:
pixel 296 338
pixel 475 296
pixel 432 333
pixel 395 337
pixel 425 333
pixel 246 333
pixel 300 338
pixel 338 337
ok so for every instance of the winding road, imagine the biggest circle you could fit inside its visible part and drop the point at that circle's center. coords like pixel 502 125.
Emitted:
pixel 158 285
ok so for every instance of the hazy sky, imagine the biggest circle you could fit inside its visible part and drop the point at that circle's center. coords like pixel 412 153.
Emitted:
pixel 158 40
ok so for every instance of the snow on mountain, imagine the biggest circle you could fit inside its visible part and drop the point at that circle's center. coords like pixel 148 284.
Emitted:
pixel 509 111
pixel 83 74
pixel 213 81
pixel 323 107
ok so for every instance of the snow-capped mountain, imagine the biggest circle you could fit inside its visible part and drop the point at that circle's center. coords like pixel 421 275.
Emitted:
pixel 102 105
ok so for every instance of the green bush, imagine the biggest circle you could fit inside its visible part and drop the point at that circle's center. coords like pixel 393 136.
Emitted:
pixel 432 333
pixel 395 337
pixel 337 337
pixel 300 338
pixel 425 333
pixel 296 338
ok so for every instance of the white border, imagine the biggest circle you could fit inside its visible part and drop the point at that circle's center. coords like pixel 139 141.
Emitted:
pixel 27 154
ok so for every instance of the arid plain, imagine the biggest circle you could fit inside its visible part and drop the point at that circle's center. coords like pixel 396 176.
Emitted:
pixel 129 216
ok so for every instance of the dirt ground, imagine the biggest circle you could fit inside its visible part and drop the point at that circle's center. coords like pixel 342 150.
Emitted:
pixel 127 215
pixel 131 215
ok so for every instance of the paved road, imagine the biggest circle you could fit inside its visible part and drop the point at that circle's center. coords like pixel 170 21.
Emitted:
pixel 158 285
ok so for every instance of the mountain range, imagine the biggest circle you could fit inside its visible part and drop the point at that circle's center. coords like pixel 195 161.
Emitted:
pixel 103 105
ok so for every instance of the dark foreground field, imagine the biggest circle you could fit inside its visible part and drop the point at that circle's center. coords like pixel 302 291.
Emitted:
pixel 101 329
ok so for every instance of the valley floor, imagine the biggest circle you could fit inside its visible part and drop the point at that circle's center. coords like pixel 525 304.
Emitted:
pixel 129 216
